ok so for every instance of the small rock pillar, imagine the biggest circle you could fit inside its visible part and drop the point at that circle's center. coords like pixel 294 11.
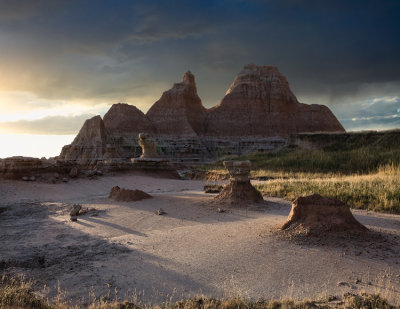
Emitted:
pixel 149 149
pixel 239 190
pixel 239 171
pixel 150 159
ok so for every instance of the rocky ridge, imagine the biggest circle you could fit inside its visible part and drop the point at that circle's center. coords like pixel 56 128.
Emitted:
pixel 258 113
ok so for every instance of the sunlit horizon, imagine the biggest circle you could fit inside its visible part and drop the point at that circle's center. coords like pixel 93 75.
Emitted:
pixel 33 145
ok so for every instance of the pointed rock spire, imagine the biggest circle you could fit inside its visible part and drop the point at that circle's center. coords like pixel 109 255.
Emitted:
pixel 179 111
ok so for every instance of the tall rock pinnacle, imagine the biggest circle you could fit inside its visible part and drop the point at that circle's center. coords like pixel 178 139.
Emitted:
pixel 179 110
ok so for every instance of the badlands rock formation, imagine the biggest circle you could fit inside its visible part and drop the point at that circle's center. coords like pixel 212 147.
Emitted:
pixel 17 167
pixel 149 147
pixel 179 110
pixel 122 123
pixel 239 191
pixel 319 215
pixel 258 113
pixel 89 145
pixel 260 103
pixel 179 118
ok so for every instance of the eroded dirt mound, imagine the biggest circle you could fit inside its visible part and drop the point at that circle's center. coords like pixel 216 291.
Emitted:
pixel 239 193
pixel 316 214
pixel 126 195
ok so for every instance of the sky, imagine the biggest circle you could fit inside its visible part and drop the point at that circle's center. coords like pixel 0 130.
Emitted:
pixel 63 61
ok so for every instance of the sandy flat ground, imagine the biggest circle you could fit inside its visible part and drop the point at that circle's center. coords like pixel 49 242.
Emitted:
pixel 125 249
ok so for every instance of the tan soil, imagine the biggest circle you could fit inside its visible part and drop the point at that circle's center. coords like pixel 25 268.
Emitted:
pixel 126 248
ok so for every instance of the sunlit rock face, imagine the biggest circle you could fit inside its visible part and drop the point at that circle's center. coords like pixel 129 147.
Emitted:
pixel 258 113
pixel 149 147
pixel 260 103
pixel 89 145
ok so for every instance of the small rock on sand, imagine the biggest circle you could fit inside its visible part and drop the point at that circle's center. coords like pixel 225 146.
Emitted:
pixel 75 210
pixel 160 212
pixel 127 195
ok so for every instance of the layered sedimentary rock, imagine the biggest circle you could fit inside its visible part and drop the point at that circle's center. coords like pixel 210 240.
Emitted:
pixel 179 117
pixel 179 111
pixel 17 167
pixel 123 123
pixel 260 103
pixel 320 215
pixel 239 191
pixel 258 113
pixel 148 145
pixel 89 145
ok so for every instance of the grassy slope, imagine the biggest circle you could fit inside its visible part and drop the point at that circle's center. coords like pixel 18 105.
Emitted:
pixel 361 170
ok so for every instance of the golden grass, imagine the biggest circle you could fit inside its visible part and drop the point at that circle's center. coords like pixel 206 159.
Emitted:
pixel 18 294
pixel 379 191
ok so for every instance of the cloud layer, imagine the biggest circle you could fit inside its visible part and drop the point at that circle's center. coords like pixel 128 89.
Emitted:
pixel 340 53
pixel 50 125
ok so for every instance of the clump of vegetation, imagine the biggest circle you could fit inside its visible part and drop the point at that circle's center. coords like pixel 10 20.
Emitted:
pixel 365 301
pixel 349 301
pixel 17 294
pixel 234 303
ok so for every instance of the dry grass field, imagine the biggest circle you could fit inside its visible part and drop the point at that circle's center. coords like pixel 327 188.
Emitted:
pixel 364 174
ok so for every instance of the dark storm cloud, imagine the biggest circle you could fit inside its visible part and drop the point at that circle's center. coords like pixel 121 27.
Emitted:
pixel 332 52
pixel 22 9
